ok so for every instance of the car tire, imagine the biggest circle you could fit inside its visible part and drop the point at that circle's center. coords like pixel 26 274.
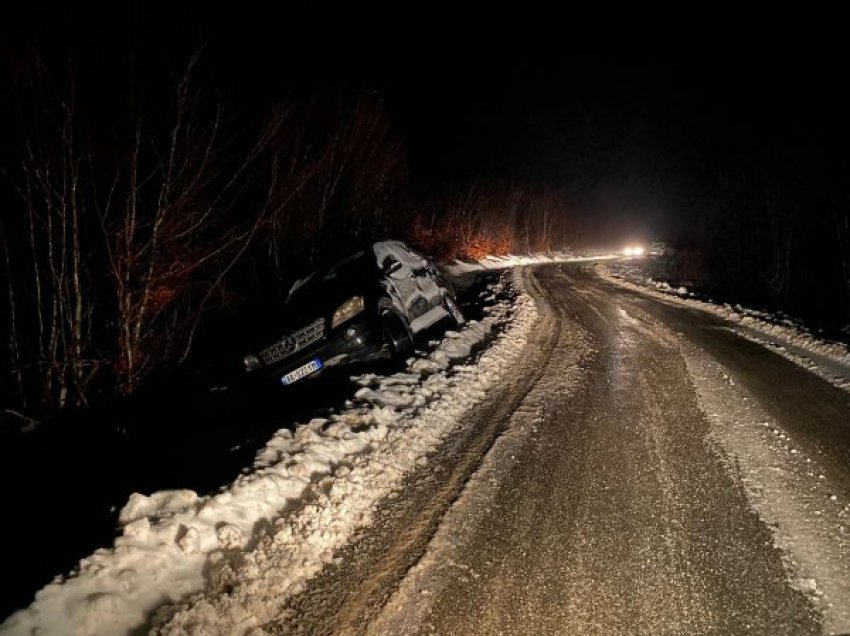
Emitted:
pixel 396 334
pixel 455 314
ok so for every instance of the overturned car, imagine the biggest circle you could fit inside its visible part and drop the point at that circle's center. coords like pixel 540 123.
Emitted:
pixel 368 305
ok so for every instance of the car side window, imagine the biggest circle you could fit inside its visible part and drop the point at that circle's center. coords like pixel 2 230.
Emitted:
pixel 391 266
pixel 413 259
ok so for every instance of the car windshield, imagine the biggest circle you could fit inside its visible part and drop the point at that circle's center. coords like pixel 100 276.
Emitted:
pixel 343 267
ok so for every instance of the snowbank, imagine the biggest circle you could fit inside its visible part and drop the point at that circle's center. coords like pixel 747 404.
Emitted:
pixel 780 333
pixel 512 260
pixel 274 528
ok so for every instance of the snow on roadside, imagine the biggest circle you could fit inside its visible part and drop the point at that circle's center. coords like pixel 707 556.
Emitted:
pixel 830 360
pixel 276 527
pixel 513 260
pixel 791 490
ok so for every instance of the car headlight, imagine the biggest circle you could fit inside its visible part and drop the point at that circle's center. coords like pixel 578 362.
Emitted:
pixel 251 362
pixel 347 310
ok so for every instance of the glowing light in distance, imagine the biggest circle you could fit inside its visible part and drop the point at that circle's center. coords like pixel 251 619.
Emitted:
pixel 634 250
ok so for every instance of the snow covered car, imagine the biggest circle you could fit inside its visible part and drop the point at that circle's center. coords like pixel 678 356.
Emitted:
pixel 368 305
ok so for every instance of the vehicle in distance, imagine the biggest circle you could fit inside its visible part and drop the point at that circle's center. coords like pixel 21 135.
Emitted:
pixel 368 305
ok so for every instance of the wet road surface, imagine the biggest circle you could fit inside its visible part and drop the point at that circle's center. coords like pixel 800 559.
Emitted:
pixel 604 504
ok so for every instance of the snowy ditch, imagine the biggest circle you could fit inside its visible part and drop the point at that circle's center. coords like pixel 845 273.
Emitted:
pixel 223 563
pixel 830 360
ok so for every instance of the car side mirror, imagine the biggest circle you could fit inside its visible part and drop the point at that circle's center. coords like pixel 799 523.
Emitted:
pixel 391 267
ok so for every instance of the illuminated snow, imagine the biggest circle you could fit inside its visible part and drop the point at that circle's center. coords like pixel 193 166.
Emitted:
pixel 277 526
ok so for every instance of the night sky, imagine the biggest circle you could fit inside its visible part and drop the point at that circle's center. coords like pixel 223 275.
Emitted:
pixel 636 114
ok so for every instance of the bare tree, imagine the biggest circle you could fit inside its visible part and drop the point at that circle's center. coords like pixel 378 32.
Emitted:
pixel 488 219
pixel 340 178
pixel 51 188
pixel 782 217
pixel 171 233
pixel 127 233
pixel 118 256
pixel 13 338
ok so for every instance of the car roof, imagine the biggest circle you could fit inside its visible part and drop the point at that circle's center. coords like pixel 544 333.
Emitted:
pixel 387 244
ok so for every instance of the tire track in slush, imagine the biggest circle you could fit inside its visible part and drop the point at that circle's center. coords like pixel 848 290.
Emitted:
pixel 346 598
pixel 618 518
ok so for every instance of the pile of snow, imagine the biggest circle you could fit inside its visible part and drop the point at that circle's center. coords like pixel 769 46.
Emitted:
pixel 778 332
pixel 513 260
pixel 231 558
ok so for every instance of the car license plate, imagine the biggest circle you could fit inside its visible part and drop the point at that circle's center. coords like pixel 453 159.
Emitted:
pixel 302 371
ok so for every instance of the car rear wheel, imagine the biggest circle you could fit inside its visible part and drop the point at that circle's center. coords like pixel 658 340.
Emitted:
pixel 397 335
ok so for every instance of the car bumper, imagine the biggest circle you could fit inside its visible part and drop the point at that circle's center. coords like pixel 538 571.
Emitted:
pixel 355 341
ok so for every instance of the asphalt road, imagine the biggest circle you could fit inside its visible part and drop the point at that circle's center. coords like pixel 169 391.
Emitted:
pixel 593 494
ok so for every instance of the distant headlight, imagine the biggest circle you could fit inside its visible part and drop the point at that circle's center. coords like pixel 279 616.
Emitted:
pixel 633 251
pixel 347 310
pixel 251 362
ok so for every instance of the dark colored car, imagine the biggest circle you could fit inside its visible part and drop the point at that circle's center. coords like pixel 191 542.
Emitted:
pixel 368 305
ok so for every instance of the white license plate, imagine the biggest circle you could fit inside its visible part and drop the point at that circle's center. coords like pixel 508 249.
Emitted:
pixel 302 371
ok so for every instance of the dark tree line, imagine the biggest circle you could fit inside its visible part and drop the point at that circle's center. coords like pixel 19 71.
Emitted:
pixel 769 241
pixel 120 235
pixel 766 213
pixel 126 225
pixel 483 219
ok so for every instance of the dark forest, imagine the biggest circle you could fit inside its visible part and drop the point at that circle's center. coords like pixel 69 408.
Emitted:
pixel 164 167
